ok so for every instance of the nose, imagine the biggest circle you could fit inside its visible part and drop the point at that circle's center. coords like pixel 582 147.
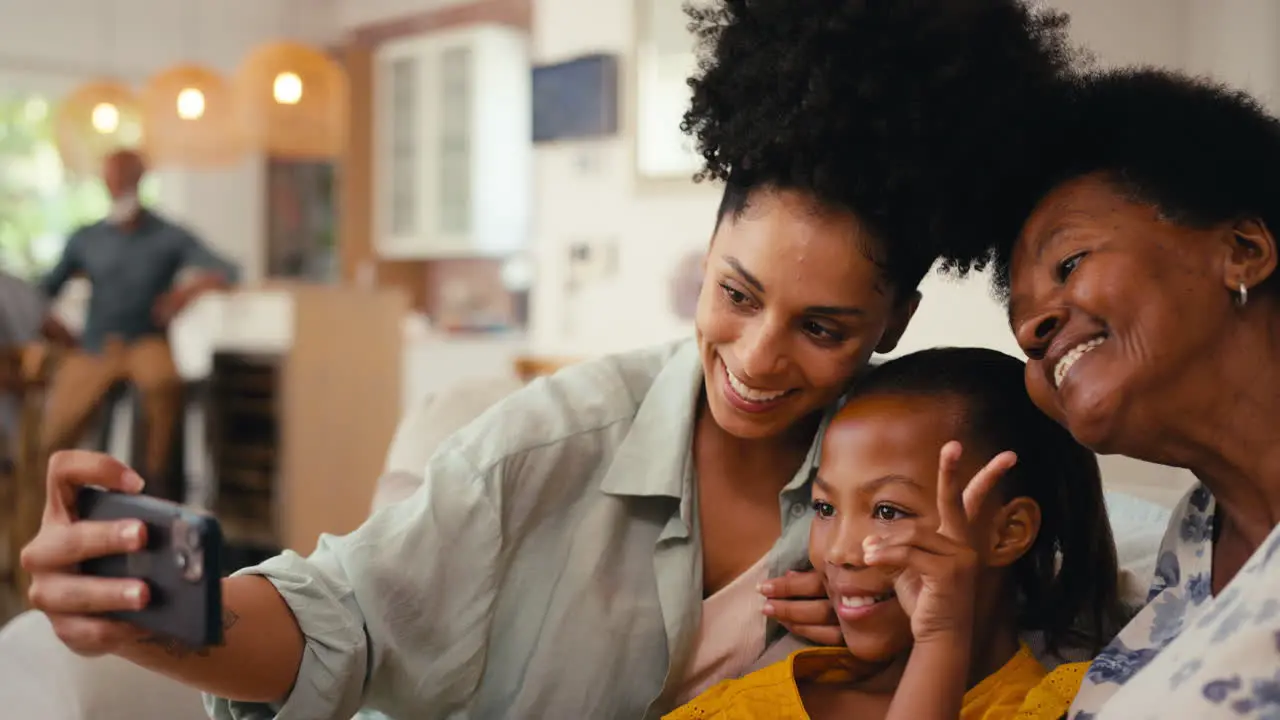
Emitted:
pixel 763 354
pixel 844 548
pixel 1037 332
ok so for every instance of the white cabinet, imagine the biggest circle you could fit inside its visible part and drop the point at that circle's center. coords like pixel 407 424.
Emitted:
pixel 453 148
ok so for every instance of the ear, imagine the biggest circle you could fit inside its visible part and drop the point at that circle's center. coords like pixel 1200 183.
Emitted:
pixel 1013 531
pixel 899 318
pixel 1252 255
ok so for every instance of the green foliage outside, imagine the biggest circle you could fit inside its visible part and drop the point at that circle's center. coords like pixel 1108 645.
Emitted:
pixel 39 206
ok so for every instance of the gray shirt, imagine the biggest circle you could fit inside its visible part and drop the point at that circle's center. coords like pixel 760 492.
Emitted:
pixel 550 566
pixel 129 271
pixel 22 312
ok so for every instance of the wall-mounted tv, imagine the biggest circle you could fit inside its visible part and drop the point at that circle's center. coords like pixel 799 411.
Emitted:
pixel 576 99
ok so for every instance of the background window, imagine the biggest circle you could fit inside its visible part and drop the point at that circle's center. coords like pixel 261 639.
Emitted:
pixel 39 205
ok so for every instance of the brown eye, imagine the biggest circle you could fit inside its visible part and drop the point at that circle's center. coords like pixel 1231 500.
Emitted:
pixel 887 513
pixel 736 297
pixel 823 509
pixel 821 332
pixel 1068 266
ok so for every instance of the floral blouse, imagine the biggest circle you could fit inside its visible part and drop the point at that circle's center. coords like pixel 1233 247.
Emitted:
pixel 1188 654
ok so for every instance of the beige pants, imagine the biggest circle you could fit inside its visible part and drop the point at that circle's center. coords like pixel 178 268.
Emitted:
pixel 82 380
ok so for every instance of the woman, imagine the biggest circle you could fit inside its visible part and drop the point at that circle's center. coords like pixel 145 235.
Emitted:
pixel 590 547
pixel 1143 290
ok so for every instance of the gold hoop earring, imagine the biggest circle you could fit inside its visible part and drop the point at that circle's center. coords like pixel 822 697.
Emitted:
pixel 1242 297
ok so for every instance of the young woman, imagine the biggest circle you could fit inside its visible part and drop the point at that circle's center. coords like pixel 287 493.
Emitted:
pixel 940 556
pixel 591 546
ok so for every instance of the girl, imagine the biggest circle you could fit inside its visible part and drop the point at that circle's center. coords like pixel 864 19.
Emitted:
pixel 936 583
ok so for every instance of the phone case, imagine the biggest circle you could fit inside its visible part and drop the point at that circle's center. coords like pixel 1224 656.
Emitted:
pixel 181 564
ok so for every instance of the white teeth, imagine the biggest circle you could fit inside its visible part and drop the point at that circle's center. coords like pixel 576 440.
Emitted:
pixel 859 601
pixel 1064 365
pixel 750 393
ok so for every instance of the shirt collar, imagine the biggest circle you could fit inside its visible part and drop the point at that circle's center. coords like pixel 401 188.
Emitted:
pixel 652 460
pixel 147 222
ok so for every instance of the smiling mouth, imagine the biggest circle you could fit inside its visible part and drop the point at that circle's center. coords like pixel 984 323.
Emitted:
pixel 1072 357
pixel 854 602
pixel 749 395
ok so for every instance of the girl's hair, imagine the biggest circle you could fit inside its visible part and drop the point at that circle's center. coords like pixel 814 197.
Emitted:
pixel 1068 581
pixel 888 109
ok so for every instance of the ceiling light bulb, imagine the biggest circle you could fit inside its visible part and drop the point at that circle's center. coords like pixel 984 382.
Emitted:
pixel 105 118
pixel 287 88
pixel 190 104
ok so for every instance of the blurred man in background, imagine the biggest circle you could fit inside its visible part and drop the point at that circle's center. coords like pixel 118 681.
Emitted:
pixel 132 258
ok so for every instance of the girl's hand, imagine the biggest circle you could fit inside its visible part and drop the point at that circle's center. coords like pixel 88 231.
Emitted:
pixel 937 570
pixel 799 602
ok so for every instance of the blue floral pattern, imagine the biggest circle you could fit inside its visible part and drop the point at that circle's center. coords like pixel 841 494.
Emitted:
pixel 1188 654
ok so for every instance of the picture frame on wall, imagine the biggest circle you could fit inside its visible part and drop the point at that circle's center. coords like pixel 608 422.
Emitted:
pixel 665 58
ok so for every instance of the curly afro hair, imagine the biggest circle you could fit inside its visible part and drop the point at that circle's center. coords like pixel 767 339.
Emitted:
pixel 1199 152
pixel 893 111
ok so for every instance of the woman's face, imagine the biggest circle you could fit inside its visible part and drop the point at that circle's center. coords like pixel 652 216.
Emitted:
pixel 790 309
pixel 1117 310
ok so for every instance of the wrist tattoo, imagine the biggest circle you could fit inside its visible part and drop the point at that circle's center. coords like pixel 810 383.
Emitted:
pixel 178 649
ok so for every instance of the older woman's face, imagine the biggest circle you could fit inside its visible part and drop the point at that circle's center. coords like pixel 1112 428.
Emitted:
pixel 1116 308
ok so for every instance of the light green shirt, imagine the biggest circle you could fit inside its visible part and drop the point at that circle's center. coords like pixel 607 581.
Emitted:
pixel 549 567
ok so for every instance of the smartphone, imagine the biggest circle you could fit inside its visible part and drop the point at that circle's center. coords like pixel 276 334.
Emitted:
pixel 181 564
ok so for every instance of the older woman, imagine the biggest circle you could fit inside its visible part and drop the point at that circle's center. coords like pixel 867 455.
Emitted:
pixel 1143 288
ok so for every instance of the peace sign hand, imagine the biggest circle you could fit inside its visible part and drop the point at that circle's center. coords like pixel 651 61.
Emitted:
pixel 937 570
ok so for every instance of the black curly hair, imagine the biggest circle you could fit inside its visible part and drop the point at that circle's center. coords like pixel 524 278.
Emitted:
pixel 1067 582
pixel 886 109
pixel 1199 152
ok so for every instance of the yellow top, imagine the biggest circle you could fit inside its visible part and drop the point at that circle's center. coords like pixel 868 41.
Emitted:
pixel 1021 690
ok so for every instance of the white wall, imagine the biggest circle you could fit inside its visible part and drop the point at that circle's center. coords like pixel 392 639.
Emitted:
pixel 588 191
pixel 51 45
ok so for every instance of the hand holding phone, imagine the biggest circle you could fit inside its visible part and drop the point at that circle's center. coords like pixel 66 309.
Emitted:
pixel 180 563
pixel 83 608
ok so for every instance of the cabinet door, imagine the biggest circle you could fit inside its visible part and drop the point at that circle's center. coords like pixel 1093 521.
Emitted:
pixel 451 139
pixel 399 156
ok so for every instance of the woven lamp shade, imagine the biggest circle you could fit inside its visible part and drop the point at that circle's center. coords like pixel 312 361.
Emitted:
pixel 189 118
pixel 292 102
pixel 93 121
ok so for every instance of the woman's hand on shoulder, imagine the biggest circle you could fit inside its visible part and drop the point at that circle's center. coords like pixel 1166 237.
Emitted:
pixel 799 602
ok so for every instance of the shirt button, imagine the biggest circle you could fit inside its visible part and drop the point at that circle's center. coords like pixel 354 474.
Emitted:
pixel 798 510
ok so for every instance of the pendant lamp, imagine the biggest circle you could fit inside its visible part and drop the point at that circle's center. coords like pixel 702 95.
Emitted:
pixel 95 120
pixel 190 120
pixel 292 102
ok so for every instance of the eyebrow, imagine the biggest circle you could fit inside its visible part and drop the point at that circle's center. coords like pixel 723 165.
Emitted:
pixel 873 485
pixel 754 282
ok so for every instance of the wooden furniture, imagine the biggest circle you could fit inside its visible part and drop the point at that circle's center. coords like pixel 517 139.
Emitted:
pixel 25 373
pixel 528 367
pixel 305 396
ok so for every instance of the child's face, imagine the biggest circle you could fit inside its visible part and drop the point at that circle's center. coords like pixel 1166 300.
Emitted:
pixel 878 471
